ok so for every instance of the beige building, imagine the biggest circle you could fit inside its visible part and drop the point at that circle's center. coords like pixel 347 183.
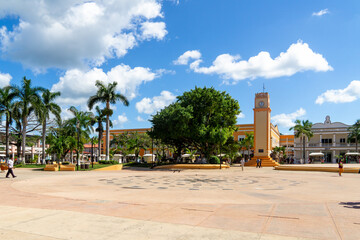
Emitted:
pixel 330 139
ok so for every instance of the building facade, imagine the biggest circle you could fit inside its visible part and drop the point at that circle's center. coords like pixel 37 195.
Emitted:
pixel 330 139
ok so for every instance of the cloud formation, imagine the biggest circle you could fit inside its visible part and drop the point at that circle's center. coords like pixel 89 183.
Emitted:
pixel 5 79
pixel 150 106
pixel 287 120
pixel 348 94
pixel 240 115
pixel 121 119
pixel 76 33
pixel 321 12
pixel 187 56
pixel 298 58
pixel 76 85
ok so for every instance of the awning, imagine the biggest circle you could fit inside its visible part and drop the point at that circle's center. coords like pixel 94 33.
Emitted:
pixel 352 154
pixel 186 155
pixel 148 155
pixel 130 155
pixel 316 154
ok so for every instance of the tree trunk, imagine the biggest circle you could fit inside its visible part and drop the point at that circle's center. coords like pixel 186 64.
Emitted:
pixel 100 137
pixel 107 131
pixel 356 145
pixel 43 140
pixel 23 144
pixel 7 137
pixel 304 148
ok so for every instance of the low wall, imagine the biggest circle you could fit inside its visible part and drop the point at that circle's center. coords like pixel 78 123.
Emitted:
pixel 317 168
pixel 192 166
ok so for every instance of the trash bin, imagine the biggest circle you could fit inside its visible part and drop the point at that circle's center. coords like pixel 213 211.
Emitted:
pixel 82 166
pixel 87 165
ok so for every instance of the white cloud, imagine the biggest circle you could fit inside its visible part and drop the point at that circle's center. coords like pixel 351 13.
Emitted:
pixel 153 30
pixel 321 12
pixel 121 119
pixel 287 120
pixel 76 85
pixel 74 33
pixel 140 119
pixel 298 58
pixel 240 115
pixel 5 79
pixel 348 94
pixel 187 56
pixel 149 106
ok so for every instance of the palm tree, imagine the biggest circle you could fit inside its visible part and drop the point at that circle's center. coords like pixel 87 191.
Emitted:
pixel 100 118
pixel 6 105
pixel 279 152
pixel 48 106
pixel 81 125
pixel 107 94
pixel 303 130
pixel 354 133
pixel 249 142
pixel 137 141
pixel 29 101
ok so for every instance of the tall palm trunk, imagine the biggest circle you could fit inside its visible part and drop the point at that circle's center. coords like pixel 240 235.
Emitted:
pixel 356 145
pixel 99 146
pixel 304 148
pixel 43 140
pixel 107 130
pixel 23 143
pixel 7 126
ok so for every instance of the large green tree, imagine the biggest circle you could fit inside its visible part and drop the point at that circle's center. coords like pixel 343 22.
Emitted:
pixel 354 133
pixel 28 102
pixel 303 130
pixel 203 119
pixel 6 104
pixel 137 141
pixel 48 106
pixel 107 94
pixel 99 119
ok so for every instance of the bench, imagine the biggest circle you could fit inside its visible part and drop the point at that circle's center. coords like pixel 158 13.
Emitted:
pixel 51 167
pixel 68 167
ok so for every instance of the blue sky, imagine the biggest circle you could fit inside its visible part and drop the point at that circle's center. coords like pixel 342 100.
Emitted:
pixel 305 52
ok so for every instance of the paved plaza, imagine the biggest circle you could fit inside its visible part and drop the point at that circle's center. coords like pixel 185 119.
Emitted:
pixel 190 204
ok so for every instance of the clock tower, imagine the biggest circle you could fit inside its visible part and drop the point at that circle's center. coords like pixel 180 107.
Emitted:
pixel 262 128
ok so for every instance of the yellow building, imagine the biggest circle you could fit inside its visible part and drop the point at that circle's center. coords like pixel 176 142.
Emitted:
pixel 266 135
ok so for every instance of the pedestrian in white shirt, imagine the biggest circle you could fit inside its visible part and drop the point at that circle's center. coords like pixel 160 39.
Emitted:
pixel 242 161
pixel 10 168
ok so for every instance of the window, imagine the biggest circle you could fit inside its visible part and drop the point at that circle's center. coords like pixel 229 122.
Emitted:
pixel 241 137
pixel 261 150
pixel 342 140
pixel 326 140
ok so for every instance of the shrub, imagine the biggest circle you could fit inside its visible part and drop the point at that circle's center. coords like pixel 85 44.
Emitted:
pixel 65 163
pixel 108 162
pixel 214 160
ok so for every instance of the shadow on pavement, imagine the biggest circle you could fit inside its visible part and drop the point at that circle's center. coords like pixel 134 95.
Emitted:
pixel 354 205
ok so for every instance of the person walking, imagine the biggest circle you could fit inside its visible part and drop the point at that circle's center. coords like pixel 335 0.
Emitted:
pixel 10 163
pixel 242 161
pixel 341 167
pixel 260 161
pixel 257 163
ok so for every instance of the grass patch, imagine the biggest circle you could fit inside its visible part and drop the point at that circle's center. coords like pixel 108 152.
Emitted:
pixel 96 166
pixel 144 165
pixel 29 166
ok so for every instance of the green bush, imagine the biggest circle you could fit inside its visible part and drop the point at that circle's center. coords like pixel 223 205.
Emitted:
pixel 65 163
pixel 214 160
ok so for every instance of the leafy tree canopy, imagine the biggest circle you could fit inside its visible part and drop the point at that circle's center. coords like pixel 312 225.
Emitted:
pixel 202 118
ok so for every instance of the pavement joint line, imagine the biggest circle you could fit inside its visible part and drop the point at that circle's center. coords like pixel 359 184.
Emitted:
pixel 267 220
pixel 35 234
pixel 273 216
pixel 199 210
pixel 334 222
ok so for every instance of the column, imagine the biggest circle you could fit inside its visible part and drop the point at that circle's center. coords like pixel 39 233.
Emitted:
pixel 334 140
pixel 333 160
pixel 320 140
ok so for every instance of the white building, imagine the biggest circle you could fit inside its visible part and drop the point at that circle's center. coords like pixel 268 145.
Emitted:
pixel 330 138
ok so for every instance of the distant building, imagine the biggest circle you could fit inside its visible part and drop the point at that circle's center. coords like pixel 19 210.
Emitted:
pixel 330 138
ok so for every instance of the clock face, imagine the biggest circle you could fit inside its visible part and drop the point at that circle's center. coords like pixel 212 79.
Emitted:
pixel 261 103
